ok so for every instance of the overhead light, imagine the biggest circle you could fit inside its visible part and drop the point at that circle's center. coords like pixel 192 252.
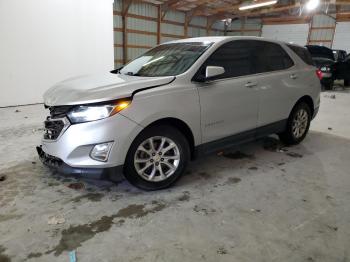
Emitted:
pixel 312 4
pixel 256 5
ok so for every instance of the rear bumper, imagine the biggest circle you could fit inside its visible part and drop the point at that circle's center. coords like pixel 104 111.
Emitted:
pixel 93 173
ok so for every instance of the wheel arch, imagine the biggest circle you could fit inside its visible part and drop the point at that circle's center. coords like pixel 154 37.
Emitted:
pixel 308 100
pixel 180 126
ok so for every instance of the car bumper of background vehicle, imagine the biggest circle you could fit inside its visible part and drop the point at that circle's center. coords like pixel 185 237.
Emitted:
pixel 93 173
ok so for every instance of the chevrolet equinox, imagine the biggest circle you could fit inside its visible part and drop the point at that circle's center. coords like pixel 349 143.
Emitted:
pixel 175 102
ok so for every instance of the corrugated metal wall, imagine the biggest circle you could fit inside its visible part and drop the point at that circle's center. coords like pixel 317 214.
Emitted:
pixel 142 27
pixel 322 28
pixel 342 36
pixel 245 27
pixel 290 33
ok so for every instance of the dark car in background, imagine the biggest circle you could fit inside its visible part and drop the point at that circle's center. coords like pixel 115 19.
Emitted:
pixel 342 70
pixel 324 60
pixel 339 55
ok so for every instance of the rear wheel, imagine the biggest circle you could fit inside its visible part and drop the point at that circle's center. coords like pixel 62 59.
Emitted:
pixel 298 124
pixel 157 158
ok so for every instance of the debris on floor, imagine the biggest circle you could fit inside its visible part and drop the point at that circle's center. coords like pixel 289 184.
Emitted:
pixel 221 251
pixel 17 111
pixel 2 178
pixel 76 186
pixel 330 96
pixel 72 256
pixel 329 128
pixel 255 210
pixel 55 220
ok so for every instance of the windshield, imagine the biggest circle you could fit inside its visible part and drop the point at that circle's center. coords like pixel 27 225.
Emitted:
pixel 166 60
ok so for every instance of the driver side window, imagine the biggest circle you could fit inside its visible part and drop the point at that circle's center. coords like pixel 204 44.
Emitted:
pixel 235 57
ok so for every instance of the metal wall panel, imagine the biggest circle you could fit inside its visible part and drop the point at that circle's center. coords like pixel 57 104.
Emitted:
pixel 199 20
pixel 195 32
pixel 322 34
pixel 167 39
pixel 342 36
pixel 219 25
pixel 141 24
pixel 118 37
pixel 321 20
pixel 143 9
pixel 138 39
pixel 175 16
pixel 172 29
pixel 293 33
pixel 233 33
pixel 234 25
pixel 117 5
pixel 253 24
pixel 117 21
pixel 135 52
pixel 118 53
pixel 216 33
pixel 322 30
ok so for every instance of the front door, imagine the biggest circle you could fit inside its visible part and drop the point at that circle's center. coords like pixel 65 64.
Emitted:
pixel 229 102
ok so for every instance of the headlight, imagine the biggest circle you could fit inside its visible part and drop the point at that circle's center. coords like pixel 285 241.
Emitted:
pixel 86 113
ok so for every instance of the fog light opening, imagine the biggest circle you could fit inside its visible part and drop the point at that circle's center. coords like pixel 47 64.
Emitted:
pixel 100 152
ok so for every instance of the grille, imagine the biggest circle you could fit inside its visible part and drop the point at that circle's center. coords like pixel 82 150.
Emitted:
pixel 59 111
pixel 53 129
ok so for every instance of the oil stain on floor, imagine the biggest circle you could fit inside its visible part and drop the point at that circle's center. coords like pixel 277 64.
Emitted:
pixel 3 257
pixel 74 236
pixel 93 197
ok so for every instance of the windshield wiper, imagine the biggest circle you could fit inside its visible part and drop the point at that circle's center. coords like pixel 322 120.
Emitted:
pixel 131 74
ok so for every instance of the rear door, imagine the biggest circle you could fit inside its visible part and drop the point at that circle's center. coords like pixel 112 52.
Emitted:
pixel 278 79
pixel 229 102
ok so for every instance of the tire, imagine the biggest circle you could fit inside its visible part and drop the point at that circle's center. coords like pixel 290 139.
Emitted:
pixel 291 137
pixel 346 82
pixel 162 171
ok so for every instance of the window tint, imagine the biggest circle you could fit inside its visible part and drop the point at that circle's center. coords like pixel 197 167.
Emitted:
pixel 234 57
pixel 270 57
pixel 303 53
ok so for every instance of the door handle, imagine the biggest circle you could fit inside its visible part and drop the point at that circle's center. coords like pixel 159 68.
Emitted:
pixel 251 84
pixel 293 76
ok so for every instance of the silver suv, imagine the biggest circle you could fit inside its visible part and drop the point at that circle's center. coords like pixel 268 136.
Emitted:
pixel 179 100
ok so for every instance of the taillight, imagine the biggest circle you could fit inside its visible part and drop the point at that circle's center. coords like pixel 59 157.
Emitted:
pixel 319 74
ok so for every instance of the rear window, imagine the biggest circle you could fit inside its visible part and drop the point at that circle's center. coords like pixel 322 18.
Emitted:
pixel 303 53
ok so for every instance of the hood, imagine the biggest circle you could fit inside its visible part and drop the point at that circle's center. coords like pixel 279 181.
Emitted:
pixel 99 88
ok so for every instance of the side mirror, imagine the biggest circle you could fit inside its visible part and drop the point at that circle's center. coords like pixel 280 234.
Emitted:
pixel 211 71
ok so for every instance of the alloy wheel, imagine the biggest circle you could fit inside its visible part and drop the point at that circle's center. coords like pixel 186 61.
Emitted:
pixel 157 158
pixel 300 122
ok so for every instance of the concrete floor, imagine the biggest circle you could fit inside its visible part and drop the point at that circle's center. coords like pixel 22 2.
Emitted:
pixel 261 202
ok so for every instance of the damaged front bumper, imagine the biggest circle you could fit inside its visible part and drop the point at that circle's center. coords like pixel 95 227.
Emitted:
pixel 58 165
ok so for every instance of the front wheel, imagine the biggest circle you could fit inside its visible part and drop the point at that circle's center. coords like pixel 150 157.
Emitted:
pixel 297 125
pixel 157 158
pixel 346 82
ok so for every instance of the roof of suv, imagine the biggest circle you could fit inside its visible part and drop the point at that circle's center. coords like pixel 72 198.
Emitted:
pixel 217 39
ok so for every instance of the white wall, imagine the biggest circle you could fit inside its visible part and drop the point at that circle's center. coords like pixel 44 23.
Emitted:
pixel 45 41
pixel 342 36
pixel 294 33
